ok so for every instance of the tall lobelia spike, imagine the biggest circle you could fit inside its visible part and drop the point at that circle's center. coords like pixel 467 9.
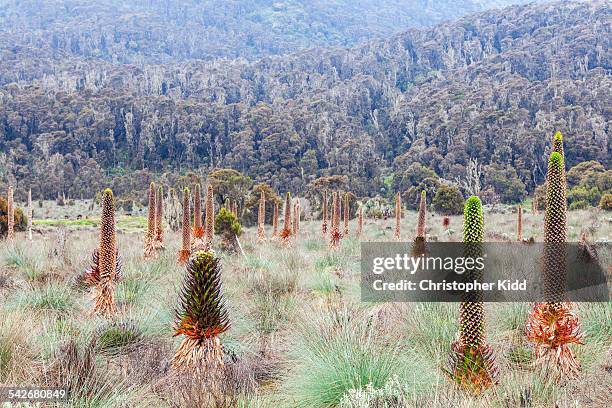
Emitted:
pixel 472 363
pixel 10 213
pixel 198 241
pixel 185 251
pixel 209 227
pixel 418 247
pixel 335 235
pixel 552 326
pixel 398 216
pixel 198 229
pixel 149 240
pixel 558 143
pixel 107 258
pixel 261 218
pixel 275 222
pixel 519 223
pixel 293 220
pixel 324 215
pixel 287 226
pixel 359 221
pixel 421 221
pixel 296 217
pixel 346 214
pixel 159 218
pixel 201 316
pixel 30 214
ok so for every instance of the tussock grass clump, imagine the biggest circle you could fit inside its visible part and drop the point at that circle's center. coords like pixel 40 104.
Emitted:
pixel 337 351
pixel 117 338
pixel 16 352
pixel 25 258
pixel 51 297
pixel 431 327
pixel 75 368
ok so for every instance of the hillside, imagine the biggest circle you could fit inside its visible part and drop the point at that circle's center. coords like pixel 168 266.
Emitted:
pixel 490 88
pixel 156 31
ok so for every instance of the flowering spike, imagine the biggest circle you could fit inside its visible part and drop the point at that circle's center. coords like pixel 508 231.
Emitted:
pixel 198 229
pixel 472 362
pixel 359 221
pixel 335 234
pixel 324 215
pixel 552 326
pixel 519 224
pixel 107 258
pixel 159 218
pixel 275 222
pixel 30 214
pixel 209 227
pixel 185 251
pixel 398 216
pixel 149 241
pixel 261 218
pixel 287 227
pixel 10 213
pixel 346 214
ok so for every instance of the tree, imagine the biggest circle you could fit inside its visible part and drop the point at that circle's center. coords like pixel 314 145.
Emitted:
pixel 412 176
pixel 505 182
pixel 229 184
pixel 448 200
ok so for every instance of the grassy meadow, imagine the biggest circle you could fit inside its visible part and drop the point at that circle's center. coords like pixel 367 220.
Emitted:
pixel 300 336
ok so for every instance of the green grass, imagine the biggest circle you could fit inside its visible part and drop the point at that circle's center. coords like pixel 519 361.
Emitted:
pixel 123 222
pixel 67 223
pixel 117 337
pixel 323 347
pixel 337 351
pixel 53 297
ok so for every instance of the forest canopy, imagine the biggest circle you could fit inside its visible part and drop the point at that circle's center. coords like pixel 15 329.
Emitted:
pixel 474 103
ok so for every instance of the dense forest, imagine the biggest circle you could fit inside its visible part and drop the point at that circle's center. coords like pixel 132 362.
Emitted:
pixel 157 31
pixel 474 102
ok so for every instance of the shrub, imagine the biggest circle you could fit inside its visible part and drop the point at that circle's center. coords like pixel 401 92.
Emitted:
pixel 539 196
pixel 227 224
pixel 21 221
pixel 505 182
pixel 606 202
pixel 448 200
